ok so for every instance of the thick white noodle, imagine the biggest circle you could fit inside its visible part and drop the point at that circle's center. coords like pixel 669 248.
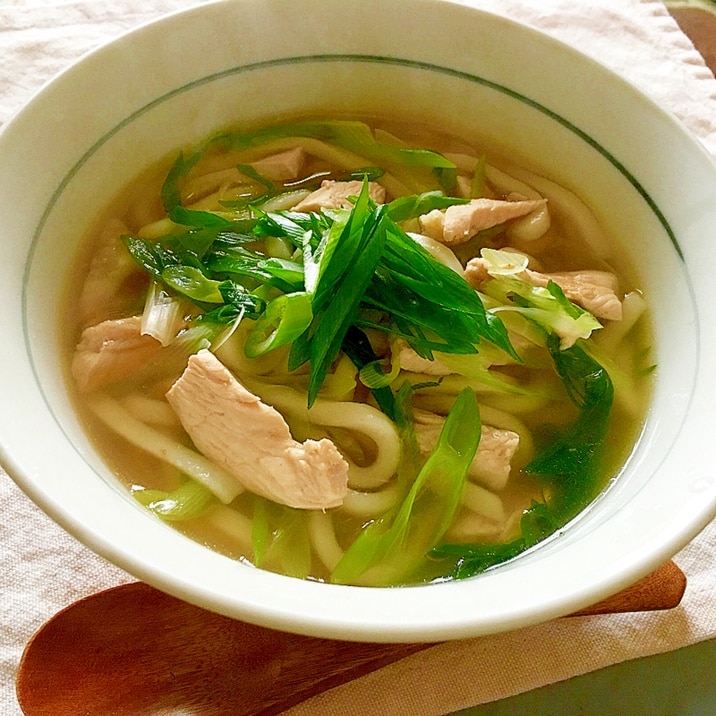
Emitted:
pixel 150 410
pixel 523 230
pixel 482 501
pixel 356 417
pixel 531 227
pixel 451 385
pixel 323 539
pixel 316 148
pixel 633 307
pixel 506 421
pixel 473 527
pixel 622 363
pixel 441 253
pixel 578 216
pixel 489 415
pixel 370 504
pixel 157 229
pixel 464 162
pixel 231 354
pixel 234 524
pixel 156 443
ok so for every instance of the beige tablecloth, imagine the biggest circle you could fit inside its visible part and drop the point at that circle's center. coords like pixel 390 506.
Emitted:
pixel 42 569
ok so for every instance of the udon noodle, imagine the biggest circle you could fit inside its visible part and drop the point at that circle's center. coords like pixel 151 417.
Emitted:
pixel 358 352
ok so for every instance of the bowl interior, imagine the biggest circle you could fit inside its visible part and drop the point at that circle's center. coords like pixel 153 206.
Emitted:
pixel 64 161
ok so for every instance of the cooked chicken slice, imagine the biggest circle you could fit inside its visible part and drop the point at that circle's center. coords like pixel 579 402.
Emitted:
pixel 411 362
pixel 282 166
pixel 493 459
pixel 459 223
pixel 111 351
pixel 252 441
pixel 196 188
pixel 476 272
pixel 594 291
pixel 414 363
pixel 111 267
pixel 334 195
pixel 472 526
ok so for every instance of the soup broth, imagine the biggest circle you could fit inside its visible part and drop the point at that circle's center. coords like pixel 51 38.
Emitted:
pixel 358 352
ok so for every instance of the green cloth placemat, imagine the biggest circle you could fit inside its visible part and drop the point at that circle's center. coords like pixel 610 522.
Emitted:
pixel 677 683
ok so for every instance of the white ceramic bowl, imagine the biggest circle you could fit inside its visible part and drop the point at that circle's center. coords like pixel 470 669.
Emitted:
pixel 176 81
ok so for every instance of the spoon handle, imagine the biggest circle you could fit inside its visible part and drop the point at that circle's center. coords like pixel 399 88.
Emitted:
pixel 135 650
pixel 662 589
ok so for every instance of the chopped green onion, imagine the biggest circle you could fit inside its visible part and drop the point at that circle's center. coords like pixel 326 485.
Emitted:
pixel 399 541
pixel 408 207
pixel 548 307
pixel 162 316
pixel 285 318
pixel 373 376
pixel 568 465
pixel 192 283
pixel 188 501
pixel 358 348
pixel 251 173
pixel 191 217
pixel 479 179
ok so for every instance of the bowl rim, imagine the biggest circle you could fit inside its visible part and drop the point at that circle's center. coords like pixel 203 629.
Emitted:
pixel 368 626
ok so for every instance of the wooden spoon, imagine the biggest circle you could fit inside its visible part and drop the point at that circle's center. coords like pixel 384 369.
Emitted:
pixel 135 650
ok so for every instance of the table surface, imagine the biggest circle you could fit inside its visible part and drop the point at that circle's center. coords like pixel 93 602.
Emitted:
pixel 679 682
